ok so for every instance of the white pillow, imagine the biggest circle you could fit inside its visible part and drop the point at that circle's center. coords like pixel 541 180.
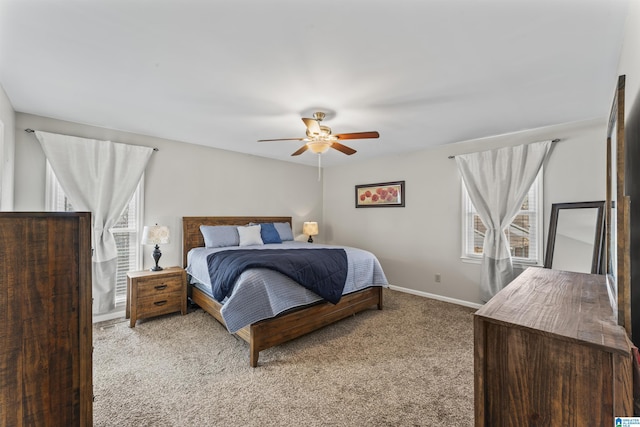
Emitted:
pixel 250 235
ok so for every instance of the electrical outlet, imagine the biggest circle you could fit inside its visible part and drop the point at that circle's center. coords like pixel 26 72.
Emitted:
pixel 438 277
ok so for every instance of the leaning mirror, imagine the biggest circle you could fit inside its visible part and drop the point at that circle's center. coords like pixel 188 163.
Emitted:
pixel 576 237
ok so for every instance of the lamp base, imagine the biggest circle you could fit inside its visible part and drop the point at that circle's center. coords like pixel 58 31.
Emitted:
pixel 156 257
pixel 310 239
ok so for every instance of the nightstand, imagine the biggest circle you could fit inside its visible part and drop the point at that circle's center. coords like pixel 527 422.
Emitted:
pixel 153 293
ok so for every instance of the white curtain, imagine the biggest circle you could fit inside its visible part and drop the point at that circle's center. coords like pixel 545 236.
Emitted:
pixel 498 182
pixel 100 177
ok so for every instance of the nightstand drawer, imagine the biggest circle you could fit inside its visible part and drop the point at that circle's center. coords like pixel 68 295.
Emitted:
pixel 156 305
pixel 159 285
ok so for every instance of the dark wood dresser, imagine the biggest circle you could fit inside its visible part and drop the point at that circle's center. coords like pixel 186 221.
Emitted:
pixel 548 352
pixel 45 319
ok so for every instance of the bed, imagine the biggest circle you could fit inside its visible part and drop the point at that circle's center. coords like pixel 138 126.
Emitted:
pixel 289 324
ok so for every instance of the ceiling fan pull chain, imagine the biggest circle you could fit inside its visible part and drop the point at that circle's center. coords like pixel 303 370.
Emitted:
pixel 319 165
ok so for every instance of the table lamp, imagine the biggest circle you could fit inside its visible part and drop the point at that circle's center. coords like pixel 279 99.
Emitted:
pixel 155 235
pixel 310 228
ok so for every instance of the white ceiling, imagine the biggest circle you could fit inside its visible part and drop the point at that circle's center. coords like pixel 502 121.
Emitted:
pixel 227 73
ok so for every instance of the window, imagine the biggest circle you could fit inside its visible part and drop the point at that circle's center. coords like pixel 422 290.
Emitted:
pixel 524 233
pixel 126 231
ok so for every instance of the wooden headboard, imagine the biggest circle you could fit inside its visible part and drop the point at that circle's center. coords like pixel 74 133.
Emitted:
pixel 192 237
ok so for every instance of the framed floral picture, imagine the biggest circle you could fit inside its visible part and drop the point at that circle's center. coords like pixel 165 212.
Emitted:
pixel 384 194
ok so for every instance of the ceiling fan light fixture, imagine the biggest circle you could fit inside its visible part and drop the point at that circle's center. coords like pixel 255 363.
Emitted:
pixel 319 147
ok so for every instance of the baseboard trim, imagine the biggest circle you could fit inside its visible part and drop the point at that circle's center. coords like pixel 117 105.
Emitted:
pixel 437 297
pixel 97 318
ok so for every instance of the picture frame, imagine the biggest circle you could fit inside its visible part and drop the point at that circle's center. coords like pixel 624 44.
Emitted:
pixel 380 195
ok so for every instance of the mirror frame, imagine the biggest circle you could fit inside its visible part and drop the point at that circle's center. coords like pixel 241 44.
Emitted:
pixel 597 260
pixel 618 233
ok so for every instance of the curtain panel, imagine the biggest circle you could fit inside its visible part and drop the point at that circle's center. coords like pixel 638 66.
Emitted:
pixel 99 177
pixel 498 182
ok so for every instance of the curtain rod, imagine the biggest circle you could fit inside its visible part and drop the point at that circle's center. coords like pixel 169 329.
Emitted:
pixel 553 140
pixel 28 130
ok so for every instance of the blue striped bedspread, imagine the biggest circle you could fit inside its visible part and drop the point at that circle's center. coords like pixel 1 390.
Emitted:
pixel 261 293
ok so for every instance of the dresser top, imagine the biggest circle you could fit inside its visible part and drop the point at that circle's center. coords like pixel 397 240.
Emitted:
pixel 570 306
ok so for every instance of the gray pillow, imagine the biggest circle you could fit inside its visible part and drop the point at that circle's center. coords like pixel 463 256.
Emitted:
pixel 284 230
pixel 218 236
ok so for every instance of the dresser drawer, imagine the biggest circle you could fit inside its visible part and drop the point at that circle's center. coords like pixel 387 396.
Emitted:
pixel 159 285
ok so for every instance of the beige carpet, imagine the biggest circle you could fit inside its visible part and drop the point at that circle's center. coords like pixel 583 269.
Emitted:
pixel 410 364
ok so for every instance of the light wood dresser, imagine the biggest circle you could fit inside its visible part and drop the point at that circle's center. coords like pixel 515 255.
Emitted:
pixel 548 352
pixel 45 319
pixel 153 293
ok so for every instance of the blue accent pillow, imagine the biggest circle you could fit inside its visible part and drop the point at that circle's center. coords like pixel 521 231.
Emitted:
pixel 218 236
pixel 284 230
pixel 269 233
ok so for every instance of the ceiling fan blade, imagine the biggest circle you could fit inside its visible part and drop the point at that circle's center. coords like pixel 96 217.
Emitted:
pixel 301 150
pixel 358 135
pixel 281 139
pixel 312 125
pixel 343 148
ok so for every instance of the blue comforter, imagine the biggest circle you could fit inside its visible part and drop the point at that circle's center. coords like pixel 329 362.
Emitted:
pixel 322 271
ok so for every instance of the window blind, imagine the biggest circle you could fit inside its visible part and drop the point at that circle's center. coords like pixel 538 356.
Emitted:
pixel 524 233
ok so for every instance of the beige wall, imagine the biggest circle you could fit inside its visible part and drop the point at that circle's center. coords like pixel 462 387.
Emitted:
pixel 7 117
pixel 630 57
pixel 413 243
pixel 424 238
pixel 182 180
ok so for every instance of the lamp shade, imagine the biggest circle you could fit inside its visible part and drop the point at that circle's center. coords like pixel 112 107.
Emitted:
pixel 155 235
pixel 310 228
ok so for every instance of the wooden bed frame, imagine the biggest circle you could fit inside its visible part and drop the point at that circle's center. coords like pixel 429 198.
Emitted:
pixel 289 325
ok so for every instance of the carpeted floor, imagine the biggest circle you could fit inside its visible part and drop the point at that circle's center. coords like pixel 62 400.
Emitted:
pixel 410 364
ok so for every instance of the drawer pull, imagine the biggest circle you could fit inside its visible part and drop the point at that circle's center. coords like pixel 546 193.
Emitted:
pixel 160 287
pixel 159 303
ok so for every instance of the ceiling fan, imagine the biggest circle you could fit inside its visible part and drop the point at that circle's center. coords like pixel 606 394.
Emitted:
pixel 319 138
